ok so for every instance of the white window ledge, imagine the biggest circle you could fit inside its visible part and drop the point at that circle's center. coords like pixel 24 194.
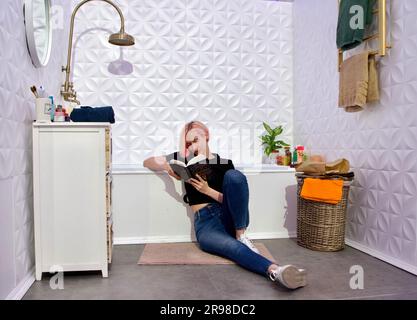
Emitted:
pixel 138 169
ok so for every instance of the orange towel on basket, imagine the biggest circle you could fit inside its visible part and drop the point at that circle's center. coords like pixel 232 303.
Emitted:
pixel 322 190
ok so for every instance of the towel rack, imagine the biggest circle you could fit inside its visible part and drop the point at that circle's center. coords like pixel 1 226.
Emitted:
pixel 381 35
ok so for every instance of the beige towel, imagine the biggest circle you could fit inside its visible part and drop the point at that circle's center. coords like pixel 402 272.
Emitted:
pixel 373 87
pixel 358 82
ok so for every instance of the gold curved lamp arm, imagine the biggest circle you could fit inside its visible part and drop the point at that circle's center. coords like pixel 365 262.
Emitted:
pixel 67 90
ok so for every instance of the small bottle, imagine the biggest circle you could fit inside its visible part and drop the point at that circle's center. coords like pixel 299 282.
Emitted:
pixel 294 159
pixel 52 108
pixel 41 92
pixel 300 154
pixel 59 114
pixel 280 158
pixel 287 156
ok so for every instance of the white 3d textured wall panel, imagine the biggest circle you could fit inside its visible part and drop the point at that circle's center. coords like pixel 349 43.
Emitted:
pixel 227 63
pixel 17 111
pixel 380 142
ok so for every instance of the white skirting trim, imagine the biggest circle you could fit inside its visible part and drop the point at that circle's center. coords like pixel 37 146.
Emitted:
pixel 398 263
pixel 188 238
pixel 22 287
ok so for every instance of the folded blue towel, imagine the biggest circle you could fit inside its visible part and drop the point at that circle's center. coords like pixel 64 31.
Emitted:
pixel 90 114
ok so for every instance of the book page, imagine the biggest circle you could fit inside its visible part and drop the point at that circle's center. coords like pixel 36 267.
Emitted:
pixel 181 170
pixel 177 162
pixel 196 159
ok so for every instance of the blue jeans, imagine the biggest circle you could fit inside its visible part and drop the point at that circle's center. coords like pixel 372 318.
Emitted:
pixel 215 225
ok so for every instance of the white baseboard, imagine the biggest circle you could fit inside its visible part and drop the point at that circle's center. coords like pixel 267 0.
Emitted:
pixel 187 238
pixel 395 262
pixel 22 287
pixel 151 239
pixel 272 235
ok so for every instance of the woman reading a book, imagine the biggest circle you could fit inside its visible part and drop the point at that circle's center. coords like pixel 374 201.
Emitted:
pixel 219 197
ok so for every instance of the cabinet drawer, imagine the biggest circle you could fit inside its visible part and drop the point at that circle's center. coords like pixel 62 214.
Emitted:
pixel 109 182
pixel 109 240
pixel 108 149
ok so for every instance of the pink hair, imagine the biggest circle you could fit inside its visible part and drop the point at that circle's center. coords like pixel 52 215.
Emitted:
pixel 188 126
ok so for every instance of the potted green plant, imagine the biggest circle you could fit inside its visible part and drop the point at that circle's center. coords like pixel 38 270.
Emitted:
pixel 269 140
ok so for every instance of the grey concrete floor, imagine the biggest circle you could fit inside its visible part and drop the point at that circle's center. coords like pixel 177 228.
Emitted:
pixel 328 277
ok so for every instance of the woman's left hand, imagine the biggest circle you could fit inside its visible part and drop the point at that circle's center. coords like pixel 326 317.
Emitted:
pixel 200 184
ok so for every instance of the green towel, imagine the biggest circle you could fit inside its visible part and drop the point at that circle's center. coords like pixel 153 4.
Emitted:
pixel 348 38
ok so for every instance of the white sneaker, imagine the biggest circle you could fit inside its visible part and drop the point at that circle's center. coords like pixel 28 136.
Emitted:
pixel 289 276
pixel 248 242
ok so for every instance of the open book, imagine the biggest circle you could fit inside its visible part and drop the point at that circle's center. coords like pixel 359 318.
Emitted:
pixel 193 167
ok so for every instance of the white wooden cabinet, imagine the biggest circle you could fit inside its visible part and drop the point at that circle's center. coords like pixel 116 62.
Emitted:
pixel 72 183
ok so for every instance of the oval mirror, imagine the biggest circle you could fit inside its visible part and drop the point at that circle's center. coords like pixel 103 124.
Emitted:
pixel 38 30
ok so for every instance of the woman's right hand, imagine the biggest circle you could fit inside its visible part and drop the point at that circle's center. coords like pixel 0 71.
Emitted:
pixel 171 172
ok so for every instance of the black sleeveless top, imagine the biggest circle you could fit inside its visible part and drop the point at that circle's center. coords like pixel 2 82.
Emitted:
pixel 218 167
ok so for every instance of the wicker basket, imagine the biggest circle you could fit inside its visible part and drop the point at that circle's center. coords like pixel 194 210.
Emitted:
pixel 321 226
